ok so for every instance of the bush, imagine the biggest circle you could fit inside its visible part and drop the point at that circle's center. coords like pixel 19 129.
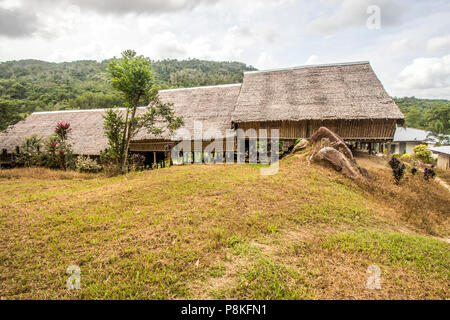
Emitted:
pixel 429 173
pixel 406 157
pixel 30 154
pixel 398 169
pixel 86 164
pixel 421 152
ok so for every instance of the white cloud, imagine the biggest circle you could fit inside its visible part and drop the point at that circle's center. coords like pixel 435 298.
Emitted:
pixel 427 76
pixel 313 59
pixel 266 61
pixel 438 44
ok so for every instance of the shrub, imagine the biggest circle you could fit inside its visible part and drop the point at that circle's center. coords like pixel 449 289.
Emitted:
pixel 406 157
pixel 30 152
pixel 86 164
pixel 429 173
pixel 398 169
pixel 421 152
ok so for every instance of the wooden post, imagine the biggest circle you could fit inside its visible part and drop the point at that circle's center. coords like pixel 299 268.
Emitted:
pixel 154 158
pixel 388 150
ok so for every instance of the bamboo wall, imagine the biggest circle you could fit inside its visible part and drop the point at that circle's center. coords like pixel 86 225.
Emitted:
pixel 364 130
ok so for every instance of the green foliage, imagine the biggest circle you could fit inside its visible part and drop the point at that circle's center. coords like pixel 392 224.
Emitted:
pixel 132 76
pixel 31 152
pixel 27 86
pixel 86 164
pixel 9 115
pixel 427 114
pixel 421 152
pixel 406 157
pixel 114 126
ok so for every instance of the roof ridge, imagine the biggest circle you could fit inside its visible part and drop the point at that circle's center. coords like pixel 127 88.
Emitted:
pixel 310 66
pixel 203 87
pixel 80 110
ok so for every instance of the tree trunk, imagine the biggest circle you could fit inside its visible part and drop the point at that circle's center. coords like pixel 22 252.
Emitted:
pixel 128 130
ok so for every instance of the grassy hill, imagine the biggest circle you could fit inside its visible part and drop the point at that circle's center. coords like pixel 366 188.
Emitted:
pixel 223 231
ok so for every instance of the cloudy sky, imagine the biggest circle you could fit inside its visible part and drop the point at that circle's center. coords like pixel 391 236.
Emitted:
pixel 408 46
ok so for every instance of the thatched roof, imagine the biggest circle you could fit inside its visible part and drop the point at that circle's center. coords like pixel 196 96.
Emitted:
pixel 87 130
pixel 210 105
pixel 338 91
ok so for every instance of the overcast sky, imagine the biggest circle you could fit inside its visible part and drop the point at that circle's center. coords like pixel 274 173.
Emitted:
pixel 408 47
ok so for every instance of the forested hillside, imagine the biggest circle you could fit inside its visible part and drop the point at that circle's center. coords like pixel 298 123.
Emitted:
pixel 32 85
pixel 432 115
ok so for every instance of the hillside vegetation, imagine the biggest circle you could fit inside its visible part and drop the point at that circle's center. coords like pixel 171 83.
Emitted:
pixel 32 85
pixel 427 114
pixel 223 231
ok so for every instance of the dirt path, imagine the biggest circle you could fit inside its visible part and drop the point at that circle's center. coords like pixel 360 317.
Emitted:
pixel 442 183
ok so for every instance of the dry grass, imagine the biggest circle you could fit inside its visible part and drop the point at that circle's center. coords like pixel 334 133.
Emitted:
pixel 42 174
pixel 219 231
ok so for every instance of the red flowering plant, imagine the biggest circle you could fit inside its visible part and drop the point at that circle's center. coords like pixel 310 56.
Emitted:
pixel 58 148
pixel 62 130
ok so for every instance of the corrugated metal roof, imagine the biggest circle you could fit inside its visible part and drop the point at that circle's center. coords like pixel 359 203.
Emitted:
pixel 443 149
pixel 410 135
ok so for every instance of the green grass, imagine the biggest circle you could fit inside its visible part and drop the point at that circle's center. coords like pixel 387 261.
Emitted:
pixel 265 279
pixel 429 256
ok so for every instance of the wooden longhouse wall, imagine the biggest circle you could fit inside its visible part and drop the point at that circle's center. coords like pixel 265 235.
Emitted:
pixel 350 130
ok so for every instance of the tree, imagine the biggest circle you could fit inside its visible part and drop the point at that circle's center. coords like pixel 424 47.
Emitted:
pixel 8 114
pixel 132 76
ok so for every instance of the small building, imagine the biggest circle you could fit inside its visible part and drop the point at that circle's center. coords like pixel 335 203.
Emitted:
pixel 443 156
pixel 405 139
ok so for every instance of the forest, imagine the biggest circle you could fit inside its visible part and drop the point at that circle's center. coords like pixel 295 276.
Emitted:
pixel 27 86
pixel 432 115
